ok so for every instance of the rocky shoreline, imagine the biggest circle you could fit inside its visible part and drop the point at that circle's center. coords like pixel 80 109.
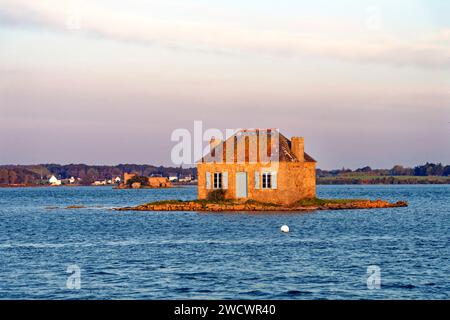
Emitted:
pixel 253 206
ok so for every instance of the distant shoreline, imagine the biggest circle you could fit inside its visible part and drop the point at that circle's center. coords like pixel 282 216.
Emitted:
pixel 380 180
pixel 14 176
pixel 42 186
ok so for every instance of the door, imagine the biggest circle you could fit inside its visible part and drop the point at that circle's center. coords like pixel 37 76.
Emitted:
pixel 241 184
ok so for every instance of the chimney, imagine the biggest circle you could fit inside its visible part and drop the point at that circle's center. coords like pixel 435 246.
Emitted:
pixel 298 148
pixel 212 144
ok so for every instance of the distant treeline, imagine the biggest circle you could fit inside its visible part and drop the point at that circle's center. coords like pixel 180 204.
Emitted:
pixel 37 174
pixel 428 169
pixel 429 173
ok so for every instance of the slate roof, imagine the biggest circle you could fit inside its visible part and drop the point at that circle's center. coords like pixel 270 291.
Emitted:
pixel 284 152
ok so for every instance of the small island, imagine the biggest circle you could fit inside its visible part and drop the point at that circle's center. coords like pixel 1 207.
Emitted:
pixel 135 181
pixel 253 206
pixel 281 177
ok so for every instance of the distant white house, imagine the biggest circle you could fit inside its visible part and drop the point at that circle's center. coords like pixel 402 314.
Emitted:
pixel 72 180
pixel 117 180
pixel 186 179
pixel 54 181
pixel 173 178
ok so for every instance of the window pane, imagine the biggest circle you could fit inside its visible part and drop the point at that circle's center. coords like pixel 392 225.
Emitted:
pixel 264 180
pixel 217 180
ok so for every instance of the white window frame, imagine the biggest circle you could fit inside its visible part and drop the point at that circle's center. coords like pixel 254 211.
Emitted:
pixel 225 180
pixel 257 180
pixel 208 180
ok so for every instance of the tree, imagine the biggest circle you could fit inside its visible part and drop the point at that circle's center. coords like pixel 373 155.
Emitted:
pixel 4 176
pixel 446 171
pixel 140 179
pixel 12 177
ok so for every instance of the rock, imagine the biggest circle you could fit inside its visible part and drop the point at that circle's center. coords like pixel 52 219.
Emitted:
pixel 259 207
pixel 136 185
pixel 401 204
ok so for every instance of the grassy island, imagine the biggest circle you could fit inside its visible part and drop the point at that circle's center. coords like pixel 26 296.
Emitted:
pixel 251 205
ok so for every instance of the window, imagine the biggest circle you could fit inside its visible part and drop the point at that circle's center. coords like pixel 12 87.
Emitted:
pixel 267 180
pixel 217 180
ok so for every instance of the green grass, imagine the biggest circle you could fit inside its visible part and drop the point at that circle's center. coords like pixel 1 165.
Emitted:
pixel 205 202
pixel 164 202
pixel 321 202
pixel 430 178
pixel 304 203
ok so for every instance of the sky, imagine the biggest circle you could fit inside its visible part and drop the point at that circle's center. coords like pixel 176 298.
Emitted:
pixel 107 82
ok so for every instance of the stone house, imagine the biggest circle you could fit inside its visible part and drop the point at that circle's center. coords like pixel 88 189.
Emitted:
pixel 54 181
pixel 153 182
pixel 261 165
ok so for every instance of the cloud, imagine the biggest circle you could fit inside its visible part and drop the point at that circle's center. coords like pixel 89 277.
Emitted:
pixel 147 28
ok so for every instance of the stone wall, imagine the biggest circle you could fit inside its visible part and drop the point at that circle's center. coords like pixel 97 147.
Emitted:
pixel 153 182
pixel 159 182
pixel 295 180
pixel 127 176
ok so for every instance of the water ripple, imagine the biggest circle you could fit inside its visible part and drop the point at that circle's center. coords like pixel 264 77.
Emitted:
pixel 158 255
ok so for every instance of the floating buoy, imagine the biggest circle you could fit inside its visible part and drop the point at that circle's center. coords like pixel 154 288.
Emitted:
pixel 284 229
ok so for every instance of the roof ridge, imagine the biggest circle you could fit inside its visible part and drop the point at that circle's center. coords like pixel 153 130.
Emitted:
pixel 284 149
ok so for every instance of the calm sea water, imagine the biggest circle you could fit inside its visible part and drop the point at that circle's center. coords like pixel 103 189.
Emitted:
pixel 186 255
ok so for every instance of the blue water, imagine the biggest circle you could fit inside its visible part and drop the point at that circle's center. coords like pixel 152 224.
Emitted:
pixel 188 255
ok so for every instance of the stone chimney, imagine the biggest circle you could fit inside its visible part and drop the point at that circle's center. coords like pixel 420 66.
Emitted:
pixel 212 144
pixel 298 148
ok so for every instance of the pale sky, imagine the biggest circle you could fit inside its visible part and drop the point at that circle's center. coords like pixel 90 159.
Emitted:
pixel 106 82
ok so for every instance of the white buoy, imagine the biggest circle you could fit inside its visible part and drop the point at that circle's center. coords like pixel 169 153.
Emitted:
pixel 284 229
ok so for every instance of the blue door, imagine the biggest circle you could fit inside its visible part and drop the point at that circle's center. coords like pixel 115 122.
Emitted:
pixel 241 185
